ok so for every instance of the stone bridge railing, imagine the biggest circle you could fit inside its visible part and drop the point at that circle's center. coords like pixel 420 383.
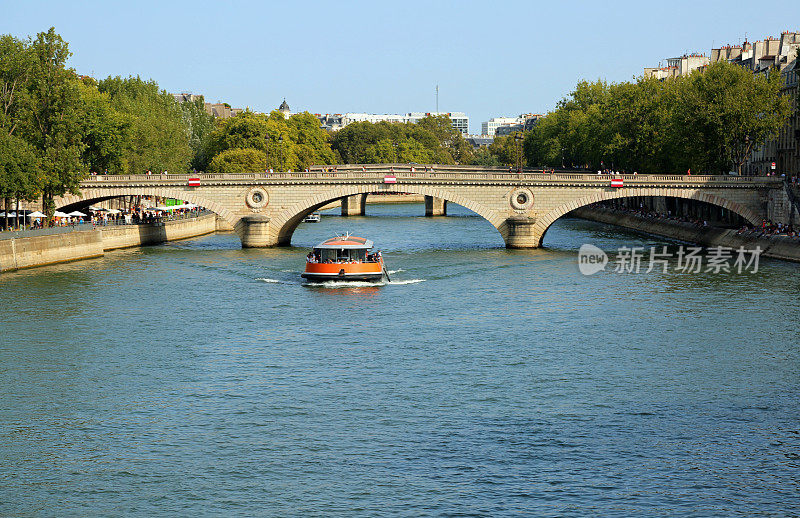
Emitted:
pixel 440 173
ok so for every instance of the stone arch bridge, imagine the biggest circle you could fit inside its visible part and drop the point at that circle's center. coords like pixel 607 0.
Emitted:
pixel 265 209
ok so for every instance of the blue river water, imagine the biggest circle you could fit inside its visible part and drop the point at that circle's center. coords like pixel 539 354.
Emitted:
pixel 199 379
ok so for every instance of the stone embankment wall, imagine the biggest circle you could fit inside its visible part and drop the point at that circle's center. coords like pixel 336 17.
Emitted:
pixel 28 252
pixel 126 236
pixel 772 246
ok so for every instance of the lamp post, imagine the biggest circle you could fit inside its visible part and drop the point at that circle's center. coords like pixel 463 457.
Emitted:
pixel 280 141
pixel 266 151
pixel 518 140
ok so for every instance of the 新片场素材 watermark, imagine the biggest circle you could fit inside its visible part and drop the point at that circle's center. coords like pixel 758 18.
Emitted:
pixel 686 259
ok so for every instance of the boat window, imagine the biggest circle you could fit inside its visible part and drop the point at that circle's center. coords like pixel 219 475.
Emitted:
pixel 359 254
pixel 328 255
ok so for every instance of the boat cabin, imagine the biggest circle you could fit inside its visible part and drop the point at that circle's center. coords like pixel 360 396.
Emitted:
pixel 344 249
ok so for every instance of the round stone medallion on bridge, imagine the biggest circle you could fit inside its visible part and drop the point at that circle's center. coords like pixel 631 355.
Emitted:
pixel 521 199
pixel 257 198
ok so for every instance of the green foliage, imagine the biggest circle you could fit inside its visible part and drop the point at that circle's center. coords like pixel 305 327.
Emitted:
pixel 431 140
pixel 294 144
pixel 159 136
pixel 54 126
pixel 239 160
pixel 709 121
pixel 106 132
pixel 19 168
pixel 16 67
pixel 199 124
pixel 484 157
pixel 506 150
pixel 727 111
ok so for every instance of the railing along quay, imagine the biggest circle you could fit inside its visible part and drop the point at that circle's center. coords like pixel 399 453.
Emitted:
pixel 86 226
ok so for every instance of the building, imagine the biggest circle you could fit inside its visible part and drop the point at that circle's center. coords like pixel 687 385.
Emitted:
pixel 285 110
pixel 187 97
pixel 479 141
pixel 331 122
pixel 507 125
pixel 761 57
pixel 221 110
pixel 337 121
pixel 218 109
pixel 678 67
pixel 490 127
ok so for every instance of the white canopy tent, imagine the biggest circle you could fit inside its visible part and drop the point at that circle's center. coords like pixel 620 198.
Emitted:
pixel 77 214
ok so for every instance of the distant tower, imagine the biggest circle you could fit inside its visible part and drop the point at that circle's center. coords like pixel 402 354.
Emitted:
pixel 284 108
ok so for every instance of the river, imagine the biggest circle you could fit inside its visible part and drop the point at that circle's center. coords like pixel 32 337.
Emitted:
pixel 199 379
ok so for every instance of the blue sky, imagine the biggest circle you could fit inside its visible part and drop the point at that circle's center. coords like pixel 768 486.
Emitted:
pixel 488 58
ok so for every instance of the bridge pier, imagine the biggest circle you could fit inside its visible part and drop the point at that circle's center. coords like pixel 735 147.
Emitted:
pixel 435 206
pixel 254 231
pixel 354 205
pixel 520 232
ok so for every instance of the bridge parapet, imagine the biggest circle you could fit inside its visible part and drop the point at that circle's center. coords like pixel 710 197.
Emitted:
pixel 464 175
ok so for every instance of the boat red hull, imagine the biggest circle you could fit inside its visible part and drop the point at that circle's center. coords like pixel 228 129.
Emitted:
pixel 322 272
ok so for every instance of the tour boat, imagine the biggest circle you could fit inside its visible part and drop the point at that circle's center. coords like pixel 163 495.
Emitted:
pixel 344 258
pixel 311 218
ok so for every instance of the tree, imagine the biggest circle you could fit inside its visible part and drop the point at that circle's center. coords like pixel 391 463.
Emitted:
pixel 19 170
pixel 449 138
pixel 431 140
pixel 54 129
pixel 726 111
pixel 506 150
pixel 239 160
pixel 311 143
pixel 295 143
pixel 159 138
pixel 484 157
pixel 16 65
pixel 106 132
pixel 199 124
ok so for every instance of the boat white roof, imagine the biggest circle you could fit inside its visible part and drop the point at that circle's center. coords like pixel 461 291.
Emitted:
pixel 345 243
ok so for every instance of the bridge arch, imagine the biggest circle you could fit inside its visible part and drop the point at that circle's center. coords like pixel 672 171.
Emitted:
pixel 544 223
pixel 89 196
pixel 286 222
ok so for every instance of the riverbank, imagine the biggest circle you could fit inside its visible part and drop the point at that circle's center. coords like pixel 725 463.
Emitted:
pixel 778 247
pixel 40 250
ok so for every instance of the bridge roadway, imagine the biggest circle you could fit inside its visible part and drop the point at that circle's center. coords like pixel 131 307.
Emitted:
pixel 265 208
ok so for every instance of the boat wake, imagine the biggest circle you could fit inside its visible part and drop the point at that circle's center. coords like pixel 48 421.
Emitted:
pixel 401 283
pixel 392 272
pixel 273 281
